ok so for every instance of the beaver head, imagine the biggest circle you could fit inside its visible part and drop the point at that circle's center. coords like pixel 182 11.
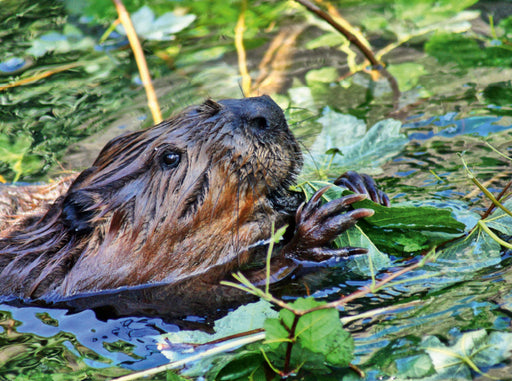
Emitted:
pixel 188 195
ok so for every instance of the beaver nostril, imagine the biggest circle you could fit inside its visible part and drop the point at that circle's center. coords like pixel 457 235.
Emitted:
pixel 259 123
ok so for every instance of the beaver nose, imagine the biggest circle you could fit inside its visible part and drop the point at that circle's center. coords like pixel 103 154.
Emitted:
pixel 258 113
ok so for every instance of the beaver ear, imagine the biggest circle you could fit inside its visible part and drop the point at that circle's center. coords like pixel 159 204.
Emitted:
pixel 77 211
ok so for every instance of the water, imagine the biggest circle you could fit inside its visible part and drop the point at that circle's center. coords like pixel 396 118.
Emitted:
pixel 446 108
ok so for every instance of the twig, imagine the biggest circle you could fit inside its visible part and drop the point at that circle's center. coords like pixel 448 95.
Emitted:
pixel 493 206
pixel 486 192
pixel 349 35
pixel 42 75
pixel 365 290
pixel 367 52
pixel 124 17
pixel 210 352
pixel 239 44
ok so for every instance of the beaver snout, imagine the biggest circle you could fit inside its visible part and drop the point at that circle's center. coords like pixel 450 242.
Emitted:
pixel 259 114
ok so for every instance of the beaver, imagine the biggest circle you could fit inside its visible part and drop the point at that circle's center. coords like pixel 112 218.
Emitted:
pixel 165 213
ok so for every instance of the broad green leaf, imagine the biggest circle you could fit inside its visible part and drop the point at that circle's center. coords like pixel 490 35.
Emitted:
pixel 415 366
pixel 412 218
pixel 161 29
pixel 465 256
pixel 275 332
pixel 407 74
pixel 364 264
pixel 15 154
pixel 359 150
pixel 396 229
pixel 241 366
pixel 501 221
pixel 466 52
pixel 321 332
pixel 327 75
pixel 326 39
pixel 244 318
pixel 475 350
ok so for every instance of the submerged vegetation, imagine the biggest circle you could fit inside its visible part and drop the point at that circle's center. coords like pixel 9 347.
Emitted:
pixel 414 91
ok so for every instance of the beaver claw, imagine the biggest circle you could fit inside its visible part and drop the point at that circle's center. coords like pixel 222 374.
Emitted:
pixel 318 225
pixel 362 184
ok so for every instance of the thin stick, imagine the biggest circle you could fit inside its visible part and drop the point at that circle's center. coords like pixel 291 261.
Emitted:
pixel 349 35
pixel 239 44
pixel 124 17
pixel 209 352
pixel 492 207
pixel 42 75
pixel 376 64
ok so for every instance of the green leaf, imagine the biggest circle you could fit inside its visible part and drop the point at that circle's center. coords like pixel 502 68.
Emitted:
pixel 501 221
pixel 407 74
pixel 415 366
pixel 239 367
pixel 161 29
pixel 15 154
pixel 326 74
pixel 465 256
pixel 472 351
pixel 412 218
pixel 319 332
pixel 466 52
pixel 275 332
pixel 360 149
pixel 244 318
pixel 365 264
pixel 326 39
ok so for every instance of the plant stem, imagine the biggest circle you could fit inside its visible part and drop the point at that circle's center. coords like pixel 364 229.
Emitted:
pixel 367 52
pixel 209 352
pixel 289 347
pixel 42 75
pixel 492 207
pixel 145 77
pixel 240 50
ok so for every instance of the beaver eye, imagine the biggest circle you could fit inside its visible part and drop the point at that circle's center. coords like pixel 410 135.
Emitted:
pixel 170 159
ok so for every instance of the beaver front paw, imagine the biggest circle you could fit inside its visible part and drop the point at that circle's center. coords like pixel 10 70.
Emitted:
pixel 318 225
pixel 362 184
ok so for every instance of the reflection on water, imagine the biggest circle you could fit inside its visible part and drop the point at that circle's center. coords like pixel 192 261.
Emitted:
pixel 41 340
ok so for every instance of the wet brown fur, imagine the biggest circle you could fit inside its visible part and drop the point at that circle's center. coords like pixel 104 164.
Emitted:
pixel 130 220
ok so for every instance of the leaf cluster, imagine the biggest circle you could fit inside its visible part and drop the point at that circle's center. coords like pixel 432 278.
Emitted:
pixel 312 343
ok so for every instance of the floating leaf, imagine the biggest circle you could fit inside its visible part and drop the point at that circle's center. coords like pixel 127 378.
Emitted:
pixel 70 40
pixel 407 74
pixel 415 366
pixel 501 221
pixel 465 256
pixel 327 75
pixel 244 318
pixel 472 351
pixel 15 154
pixel 466 52
pixel 359 149
pixel 161 29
